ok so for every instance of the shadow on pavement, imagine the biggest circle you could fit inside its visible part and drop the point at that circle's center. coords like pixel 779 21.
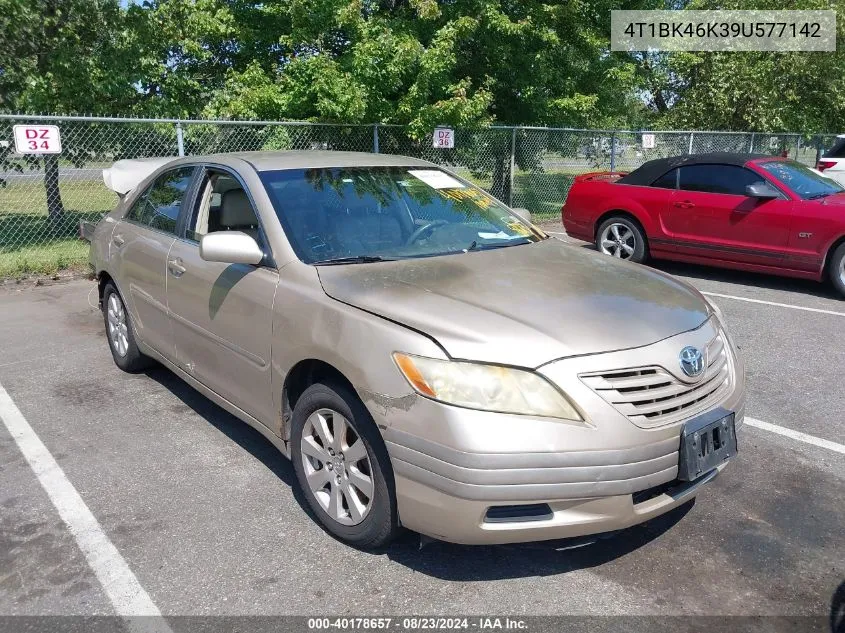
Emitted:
pixel 239 432
pixel 837 610
pixel 468 563
pixel 442 560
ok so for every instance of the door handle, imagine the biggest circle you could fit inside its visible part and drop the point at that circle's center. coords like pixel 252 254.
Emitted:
pixel 686 204
pixel 118 240
pixel 175 267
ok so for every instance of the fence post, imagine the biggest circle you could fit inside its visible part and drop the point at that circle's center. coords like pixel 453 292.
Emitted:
pixel 798 148
pixel 818 149
pixel 375 138
pixel 691 136
pixel 513 166
pixel 751 146
pixel 613 151
pixel 180 141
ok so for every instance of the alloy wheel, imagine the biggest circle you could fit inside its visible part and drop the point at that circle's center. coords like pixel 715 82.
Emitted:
pixel 337 467
pixel 118 330
pixel 618 240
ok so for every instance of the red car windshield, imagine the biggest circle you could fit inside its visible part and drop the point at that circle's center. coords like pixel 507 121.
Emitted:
pixel 805 182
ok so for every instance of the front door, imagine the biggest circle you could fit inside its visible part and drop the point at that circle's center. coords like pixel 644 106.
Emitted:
pixel 726 224
pixel 222 314
pixel 140 245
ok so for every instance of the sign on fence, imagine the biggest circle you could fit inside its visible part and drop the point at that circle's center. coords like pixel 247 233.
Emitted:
pixel 648 141
pixel 37 139
pixel 444 137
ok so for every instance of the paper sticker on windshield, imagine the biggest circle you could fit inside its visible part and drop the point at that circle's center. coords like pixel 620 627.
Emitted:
pixel 436 179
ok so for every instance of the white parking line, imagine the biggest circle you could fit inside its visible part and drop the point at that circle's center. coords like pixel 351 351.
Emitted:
pixel 796 435
pixel 772 303
pixel 119 583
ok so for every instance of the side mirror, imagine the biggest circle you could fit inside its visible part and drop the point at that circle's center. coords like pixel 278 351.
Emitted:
pixel 524 214
pixel 230 247
pixel 762 191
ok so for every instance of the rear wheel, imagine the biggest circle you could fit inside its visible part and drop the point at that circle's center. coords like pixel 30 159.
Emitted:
pixel 342 466
pixel 622 238
pixel 837 269
pixel 119 332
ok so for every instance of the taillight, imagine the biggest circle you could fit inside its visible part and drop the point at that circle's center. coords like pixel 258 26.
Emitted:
pixel 825 164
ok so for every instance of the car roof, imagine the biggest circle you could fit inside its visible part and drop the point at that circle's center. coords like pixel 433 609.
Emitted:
pixel 313 159
pixel 648 172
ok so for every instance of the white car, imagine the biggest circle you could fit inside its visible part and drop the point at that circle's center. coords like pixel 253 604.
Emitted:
pixel 832 164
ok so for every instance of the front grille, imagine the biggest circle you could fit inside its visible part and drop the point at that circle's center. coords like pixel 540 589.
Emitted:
pixel 651 396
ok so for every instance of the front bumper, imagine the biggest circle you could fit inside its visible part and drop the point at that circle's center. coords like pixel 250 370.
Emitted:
pixel 451 465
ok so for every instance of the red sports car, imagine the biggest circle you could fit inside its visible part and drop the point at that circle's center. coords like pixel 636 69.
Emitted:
pixel 749 212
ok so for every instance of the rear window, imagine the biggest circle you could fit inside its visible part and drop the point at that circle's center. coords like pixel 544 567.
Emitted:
pixel 838 149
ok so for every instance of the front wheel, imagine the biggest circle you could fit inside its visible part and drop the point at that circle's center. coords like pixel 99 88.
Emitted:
pixel 342 466
pixel 622 238
pixel 837 269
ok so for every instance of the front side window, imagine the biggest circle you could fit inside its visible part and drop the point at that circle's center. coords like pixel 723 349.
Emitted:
pixel 725 179
pixel 388 213
pixel 222 205
pixel 805 182
pixel 159 206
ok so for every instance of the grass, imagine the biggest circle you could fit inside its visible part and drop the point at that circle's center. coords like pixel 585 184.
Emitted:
pixel 31 244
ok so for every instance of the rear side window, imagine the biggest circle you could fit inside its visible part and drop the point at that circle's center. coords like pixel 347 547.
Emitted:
pixel 669 180
pixel 727 179
pixel 159 206
pixel 838 149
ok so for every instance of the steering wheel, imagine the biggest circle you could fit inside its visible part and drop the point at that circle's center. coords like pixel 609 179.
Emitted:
pixel 425 228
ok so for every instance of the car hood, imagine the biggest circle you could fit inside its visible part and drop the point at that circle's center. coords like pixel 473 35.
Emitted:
pixel 837 199
pixel 522 305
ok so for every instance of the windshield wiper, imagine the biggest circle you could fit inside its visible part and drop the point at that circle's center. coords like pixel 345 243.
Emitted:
pixel 356 259
pixel 475 246
pixel 824 194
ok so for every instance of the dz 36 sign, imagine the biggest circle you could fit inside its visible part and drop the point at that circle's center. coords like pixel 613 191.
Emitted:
pixel 37 139
pixel 444 137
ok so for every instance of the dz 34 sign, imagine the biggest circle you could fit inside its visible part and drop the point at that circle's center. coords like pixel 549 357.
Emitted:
pixel 37 139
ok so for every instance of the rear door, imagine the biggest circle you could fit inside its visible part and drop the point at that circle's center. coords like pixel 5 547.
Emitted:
pixel 721 222
pixel 141 241
pixel 222 314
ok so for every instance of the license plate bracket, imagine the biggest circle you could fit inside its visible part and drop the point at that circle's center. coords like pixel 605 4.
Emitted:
pixel 706 441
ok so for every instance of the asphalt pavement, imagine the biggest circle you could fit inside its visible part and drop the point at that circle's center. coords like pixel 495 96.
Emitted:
pixel 201 510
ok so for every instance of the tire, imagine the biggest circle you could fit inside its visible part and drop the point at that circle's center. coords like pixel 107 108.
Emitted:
pixel 343 509
pixel 124 348
pixel 621 237
pixel 837 269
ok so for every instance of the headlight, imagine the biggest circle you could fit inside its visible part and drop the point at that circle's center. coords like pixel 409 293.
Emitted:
pixel 485 387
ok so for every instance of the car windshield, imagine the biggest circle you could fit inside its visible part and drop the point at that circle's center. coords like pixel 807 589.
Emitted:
pixel 801 179
pixel 363 214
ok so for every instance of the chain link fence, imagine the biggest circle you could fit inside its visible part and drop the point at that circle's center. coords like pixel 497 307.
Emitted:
pixel 43 198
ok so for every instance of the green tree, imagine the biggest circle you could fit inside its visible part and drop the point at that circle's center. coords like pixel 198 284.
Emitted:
pixel 748 91
pixel 64 56
pixel 422 63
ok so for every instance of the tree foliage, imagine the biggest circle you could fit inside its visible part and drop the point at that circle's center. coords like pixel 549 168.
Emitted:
pixel 416 62
pixel 748 91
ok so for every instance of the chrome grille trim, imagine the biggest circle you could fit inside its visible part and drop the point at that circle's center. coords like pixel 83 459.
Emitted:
pixel 651 396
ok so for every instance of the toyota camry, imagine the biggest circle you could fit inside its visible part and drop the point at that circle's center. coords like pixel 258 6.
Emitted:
pixel 425 356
